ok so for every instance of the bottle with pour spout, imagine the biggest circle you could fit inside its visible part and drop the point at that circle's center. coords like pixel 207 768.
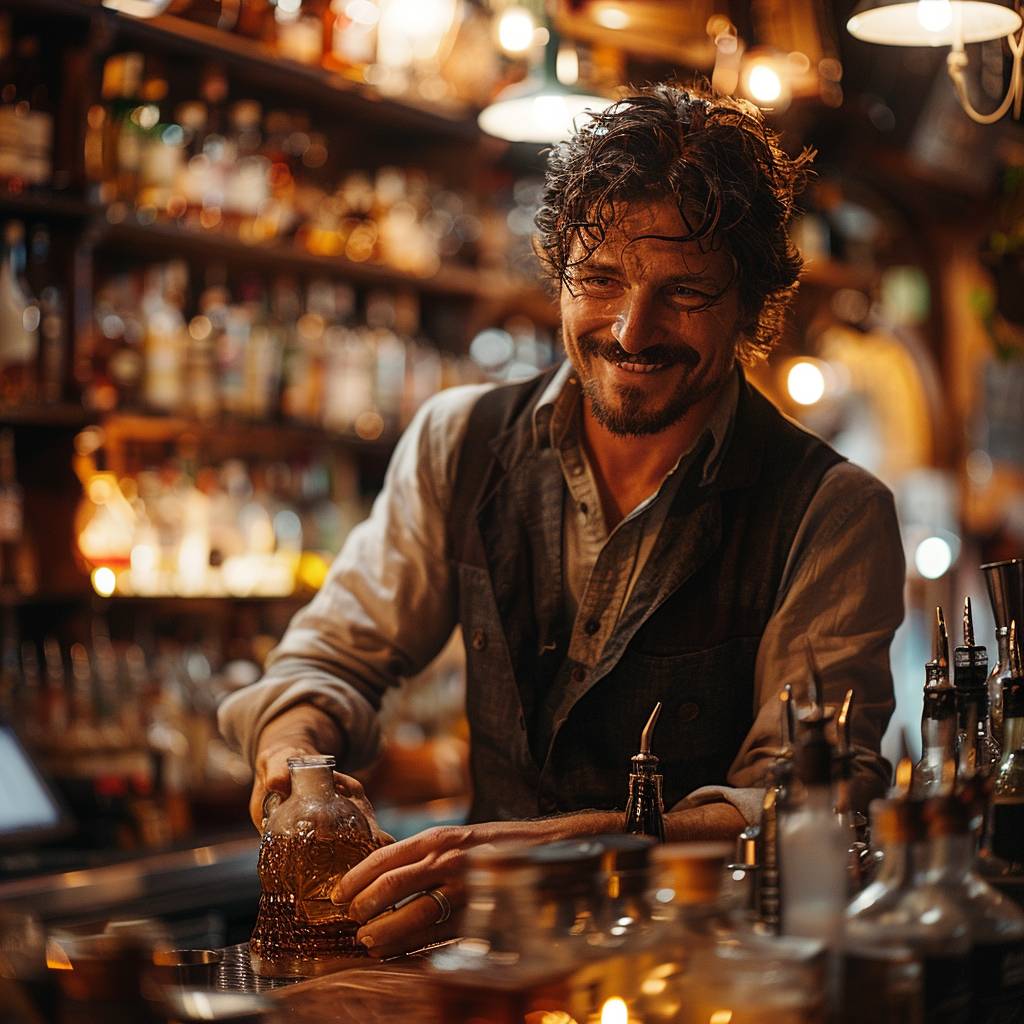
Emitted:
pixel 644 806
pixel 938 718
pixel 310 839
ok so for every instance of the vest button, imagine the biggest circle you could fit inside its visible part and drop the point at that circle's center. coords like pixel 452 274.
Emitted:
pixel 688 712
pixel 591 626
pixel 578 674
pixel 478 641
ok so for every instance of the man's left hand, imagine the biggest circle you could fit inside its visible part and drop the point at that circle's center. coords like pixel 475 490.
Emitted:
pixel 433 861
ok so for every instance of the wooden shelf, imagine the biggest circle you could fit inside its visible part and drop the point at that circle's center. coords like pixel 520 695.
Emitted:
pixel 263 66
pixel 43 204
pixel 155 428
pixel 65 414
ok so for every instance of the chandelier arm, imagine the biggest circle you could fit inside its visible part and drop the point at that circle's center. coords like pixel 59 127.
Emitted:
pixel 956 62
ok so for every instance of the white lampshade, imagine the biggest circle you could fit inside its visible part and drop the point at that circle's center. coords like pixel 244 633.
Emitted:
pixel 542 113
pixel 932 22
pixel 540 109
pixel 138 8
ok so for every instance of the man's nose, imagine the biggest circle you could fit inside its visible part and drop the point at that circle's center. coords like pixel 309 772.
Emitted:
pixel 636 326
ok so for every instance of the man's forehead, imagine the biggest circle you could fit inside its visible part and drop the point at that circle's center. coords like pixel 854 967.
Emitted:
pixel 645 227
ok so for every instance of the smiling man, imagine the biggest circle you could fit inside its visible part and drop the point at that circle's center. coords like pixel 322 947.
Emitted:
pixel 637 525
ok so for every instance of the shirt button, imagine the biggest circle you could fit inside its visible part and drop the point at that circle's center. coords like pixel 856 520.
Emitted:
pixel 584 507
pixel 478 641
pixel 688 712
pixel 578 674
pixel 591 626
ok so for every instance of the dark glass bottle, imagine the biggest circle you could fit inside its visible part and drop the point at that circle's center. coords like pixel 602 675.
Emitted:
pixel 977 752
pixel 906 950
pixel 938 718
pixel 995 923
pixel 1008 796
pixel 644 805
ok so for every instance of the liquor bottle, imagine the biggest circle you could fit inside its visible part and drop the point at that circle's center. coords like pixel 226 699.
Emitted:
pixel 995 922
pixel 854 823
pixel 166 336
pixel 502 970
pixel 1005 584
pixel 977 751
pixel 26 118
pixel 1008 795
pixel 310 839
pixel 813 842
pixel 906 944
pixel 19 323
pixel 11 515
pixel 769 908
pixel 52 322
pixel 644 806
pixel 938 717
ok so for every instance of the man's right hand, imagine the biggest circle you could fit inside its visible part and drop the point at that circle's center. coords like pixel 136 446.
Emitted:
pixel 301 731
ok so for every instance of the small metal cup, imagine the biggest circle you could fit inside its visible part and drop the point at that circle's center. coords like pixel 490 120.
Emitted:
pixel 187 968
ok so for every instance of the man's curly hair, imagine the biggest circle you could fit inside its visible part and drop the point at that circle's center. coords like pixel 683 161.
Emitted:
pixel 718 160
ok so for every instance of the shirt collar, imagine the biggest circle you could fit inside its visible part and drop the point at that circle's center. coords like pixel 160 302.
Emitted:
pixel 554 416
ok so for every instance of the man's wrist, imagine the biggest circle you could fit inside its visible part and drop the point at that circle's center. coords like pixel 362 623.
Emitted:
pixel 304 726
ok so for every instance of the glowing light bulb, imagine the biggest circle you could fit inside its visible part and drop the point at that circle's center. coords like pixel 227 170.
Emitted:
pixel 614 1011
pixel 934 15
pixel 933 557
pixel 805 383
pixel 611 17
pixel 764 83
pixel 103 581
pixel 515 30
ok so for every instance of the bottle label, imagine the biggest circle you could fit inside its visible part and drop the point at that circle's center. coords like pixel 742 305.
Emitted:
pixel 883 986
pixel 10 518
pixel 997 983
pixel 947 989
pixel 1008 828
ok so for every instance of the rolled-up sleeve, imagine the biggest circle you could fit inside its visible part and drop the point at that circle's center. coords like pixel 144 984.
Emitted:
pixel 842 590
pixel 388 603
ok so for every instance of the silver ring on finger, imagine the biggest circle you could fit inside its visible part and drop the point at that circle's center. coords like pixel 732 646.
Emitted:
pixel 443 904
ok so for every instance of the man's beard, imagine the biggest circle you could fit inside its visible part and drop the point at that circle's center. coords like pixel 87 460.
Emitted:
pixel 632 415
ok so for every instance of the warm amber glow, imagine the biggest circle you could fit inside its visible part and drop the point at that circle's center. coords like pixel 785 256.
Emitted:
pixel 614 1011
pixel 104 582
pixel 56 958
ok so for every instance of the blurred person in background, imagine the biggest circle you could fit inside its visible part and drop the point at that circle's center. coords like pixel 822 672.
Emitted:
pixel 636 525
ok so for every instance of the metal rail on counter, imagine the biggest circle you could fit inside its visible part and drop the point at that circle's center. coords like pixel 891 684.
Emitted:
pixel 148 886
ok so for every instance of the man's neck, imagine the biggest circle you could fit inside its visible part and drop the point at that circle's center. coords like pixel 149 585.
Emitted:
pixel 628 469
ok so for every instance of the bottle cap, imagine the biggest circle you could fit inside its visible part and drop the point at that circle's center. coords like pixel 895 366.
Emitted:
pixel 621 852
pixel 693 871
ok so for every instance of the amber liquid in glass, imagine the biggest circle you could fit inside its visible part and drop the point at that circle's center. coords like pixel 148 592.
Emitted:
pixel 299 931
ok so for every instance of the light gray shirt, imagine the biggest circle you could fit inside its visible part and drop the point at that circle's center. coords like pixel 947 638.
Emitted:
pixel 388 604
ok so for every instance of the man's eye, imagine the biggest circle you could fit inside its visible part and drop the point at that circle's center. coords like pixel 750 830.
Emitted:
pixel 598 282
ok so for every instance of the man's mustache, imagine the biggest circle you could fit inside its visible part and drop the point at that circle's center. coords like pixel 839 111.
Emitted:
pixel 653 355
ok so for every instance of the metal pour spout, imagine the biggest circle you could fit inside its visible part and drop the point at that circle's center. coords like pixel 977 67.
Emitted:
pixel 968 624
pixel 843 723
pixel 1015 663
pixel 788 721
pixel 940 640
pixel 1005 582
pixel 645 736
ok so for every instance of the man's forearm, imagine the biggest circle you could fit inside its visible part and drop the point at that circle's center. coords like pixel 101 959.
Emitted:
pixel 708 821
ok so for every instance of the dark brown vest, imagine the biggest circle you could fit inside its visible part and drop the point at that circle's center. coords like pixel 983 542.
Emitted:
pixel 548 735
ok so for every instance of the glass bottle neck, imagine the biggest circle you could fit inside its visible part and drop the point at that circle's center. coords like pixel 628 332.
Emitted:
pixel 1013 735
pixel 313 782
pixel 950 858
pixel 902 864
